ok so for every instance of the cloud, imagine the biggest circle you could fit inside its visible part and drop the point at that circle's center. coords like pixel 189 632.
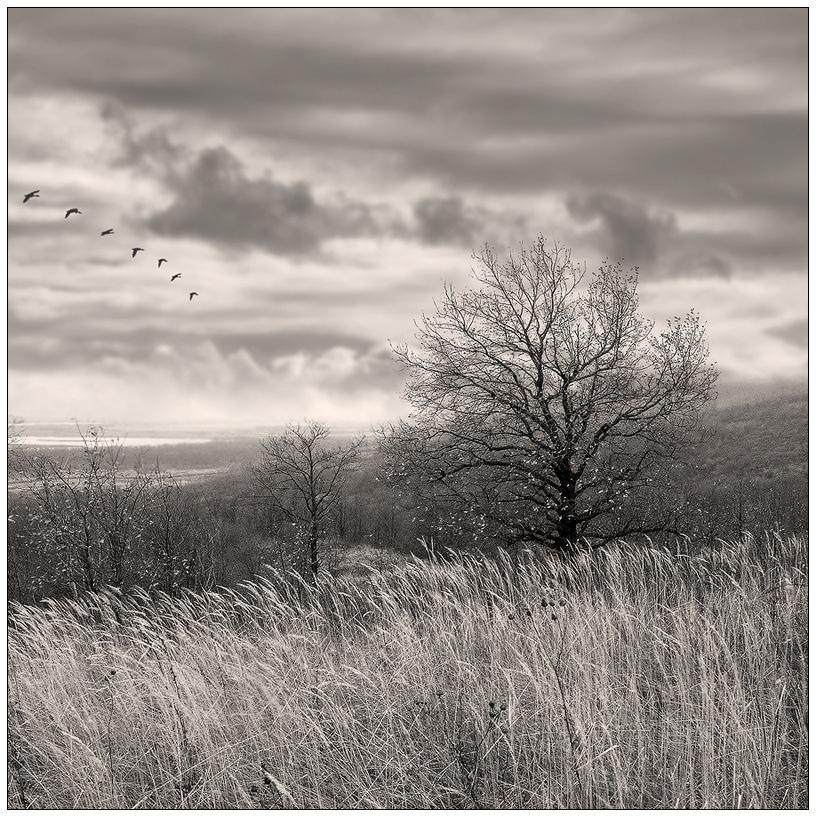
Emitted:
pixel 634 233
pixel 445 221
pixel 199 382
pixel 449 220
pixel 214 199
pixel 702 263
pixel 702 109
pixel 794 332
pixel 150 150
pixel 53 329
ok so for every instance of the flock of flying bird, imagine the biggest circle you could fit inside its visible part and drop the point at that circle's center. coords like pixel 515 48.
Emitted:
pixel 35 194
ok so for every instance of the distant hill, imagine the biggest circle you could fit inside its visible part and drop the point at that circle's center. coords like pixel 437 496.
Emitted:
pixel 762 439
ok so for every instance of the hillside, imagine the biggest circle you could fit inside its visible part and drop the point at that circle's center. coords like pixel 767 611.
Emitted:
pixel 758 440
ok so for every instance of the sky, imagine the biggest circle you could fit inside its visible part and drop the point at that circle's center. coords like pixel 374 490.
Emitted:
pixel 317 175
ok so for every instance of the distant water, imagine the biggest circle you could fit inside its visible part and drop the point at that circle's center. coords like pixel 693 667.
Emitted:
pixel 66 435
pixel 134 442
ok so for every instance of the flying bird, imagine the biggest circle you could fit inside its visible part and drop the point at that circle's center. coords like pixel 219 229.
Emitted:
pixel 109 231
pixel 135 250
pixel 173 277
pixel 192 295
pixel 162 261
pixel 72 211
pixel 34 194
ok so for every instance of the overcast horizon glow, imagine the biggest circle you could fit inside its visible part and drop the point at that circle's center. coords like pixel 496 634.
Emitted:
pixel 317 175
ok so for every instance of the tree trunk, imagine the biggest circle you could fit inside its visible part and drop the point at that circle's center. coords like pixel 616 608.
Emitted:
pixel 566 532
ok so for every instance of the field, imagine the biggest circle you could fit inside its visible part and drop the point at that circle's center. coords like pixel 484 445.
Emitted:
pixel 635 678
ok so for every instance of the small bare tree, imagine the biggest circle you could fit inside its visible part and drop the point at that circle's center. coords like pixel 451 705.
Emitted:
pixel 14 440
pixel 90 517
pixel 302 474
pixel 542 398
pixel 178 540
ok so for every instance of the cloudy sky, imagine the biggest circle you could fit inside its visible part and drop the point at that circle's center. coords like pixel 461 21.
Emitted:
pixel 316 175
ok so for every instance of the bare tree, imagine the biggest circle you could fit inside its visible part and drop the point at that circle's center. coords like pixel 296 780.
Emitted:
pixel 90 516
pixel 14 440
pixel 302 474
pixel 179 541
pixel 92 520
pixel 543 398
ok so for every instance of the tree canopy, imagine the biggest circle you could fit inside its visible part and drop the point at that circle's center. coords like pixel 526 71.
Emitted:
pixel 542 398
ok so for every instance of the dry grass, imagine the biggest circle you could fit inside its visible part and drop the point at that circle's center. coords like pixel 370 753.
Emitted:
pixel 660 681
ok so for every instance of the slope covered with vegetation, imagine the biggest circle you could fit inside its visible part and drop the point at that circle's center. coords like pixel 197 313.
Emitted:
pixel 757 440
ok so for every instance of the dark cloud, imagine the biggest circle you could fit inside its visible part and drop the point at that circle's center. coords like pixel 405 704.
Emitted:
pixel 445 221
pixel 757 244
pixel 633 233
pixel 151 150
pixel 704 264
pixel 795 333
pixel 215 199
pixel 230 62
pixel 450 220
pixel 651 238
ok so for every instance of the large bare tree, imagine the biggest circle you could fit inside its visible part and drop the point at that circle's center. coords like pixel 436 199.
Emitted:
pixel 302 474
pixel 542 399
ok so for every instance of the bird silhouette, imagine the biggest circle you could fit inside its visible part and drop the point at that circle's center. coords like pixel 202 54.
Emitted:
pixel 72 211
pixel 109 231
pixel 192 295
pixel 162 261
pixel 135 250
pixel 173 277
pixel 34 194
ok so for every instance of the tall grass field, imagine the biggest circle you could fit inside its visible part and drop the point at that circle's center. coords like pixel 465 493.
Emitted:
pixel 632 678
